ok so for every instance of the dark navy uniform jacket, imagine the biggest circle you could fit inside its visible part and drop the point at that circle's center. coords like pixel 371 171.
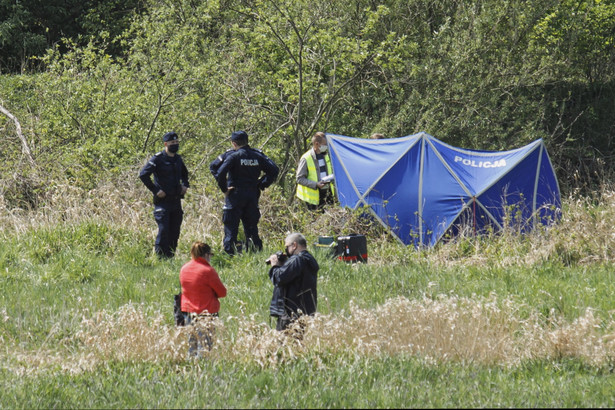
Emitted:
pixel 214 166
pixel 243 168
pixel 170 174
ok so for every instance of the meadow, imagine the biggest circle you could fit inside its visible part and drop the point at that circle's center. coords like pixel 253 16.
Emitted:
pixel 502 321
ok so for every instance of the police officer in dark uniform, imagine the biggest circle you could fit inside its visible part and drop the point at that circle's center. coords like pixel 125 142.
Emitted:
pixel 239 177
pixel 214 166
pixel 169 187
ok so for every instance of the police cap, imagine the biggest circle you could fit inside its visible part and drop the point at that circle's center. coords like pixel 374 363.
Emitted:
pixel 169 136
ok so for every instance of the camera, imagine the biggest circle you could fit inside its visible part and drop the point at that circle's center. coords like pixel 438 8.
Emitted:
pixel 281 257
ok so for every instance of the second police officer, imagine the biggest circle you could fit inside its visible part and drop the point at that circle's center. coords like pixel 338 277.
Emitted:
pixel 242 176
pixel 215 165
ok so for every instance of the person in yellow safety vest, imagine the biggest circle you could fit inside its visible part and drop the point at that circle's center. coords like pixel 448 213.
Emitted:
pixel 315 175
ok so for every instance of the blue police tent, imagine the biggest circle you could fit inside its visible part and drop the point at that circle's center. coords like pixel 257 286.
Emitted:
pixel 422 189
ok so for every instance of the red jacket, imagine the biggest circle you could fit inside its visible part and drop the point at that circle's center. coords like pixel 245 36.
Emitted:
pixel 201 287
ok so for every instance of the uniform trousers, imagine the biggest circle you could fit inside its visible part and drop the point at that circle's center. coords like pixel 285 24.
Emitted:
pixel 169 216
pixel 241 205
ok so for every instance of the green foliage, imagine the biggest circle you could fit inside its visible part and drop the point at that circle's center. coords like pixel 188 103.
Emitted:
pixel 16 42
pixel 483 75
pixel 382 382
pixel 574 42
pixel 578 34
pixel 69 248
pixel 28 28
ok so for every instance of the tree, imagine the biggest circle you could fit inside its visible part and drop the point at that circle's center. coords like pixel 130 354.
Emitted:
pixel 28 28
pixel 480 74
pixel 303 60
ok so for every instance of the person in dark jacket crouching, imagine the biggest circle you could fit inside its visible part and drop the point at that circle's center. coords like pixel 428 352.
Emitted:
pixel 294 282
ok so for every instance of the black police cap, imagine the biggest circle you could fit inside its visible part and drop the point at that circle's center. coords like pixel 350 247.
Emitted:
pixel 169 136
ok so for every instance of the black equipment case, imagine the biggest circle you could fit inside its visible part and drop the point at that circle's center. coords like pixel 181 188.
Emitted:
pixel 352 248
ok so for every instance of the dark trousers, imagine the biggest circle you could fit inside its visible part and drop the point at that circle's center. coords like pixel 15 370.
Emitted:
pixel 241 206
pixel 169 217
pixel 202 332
pixel 284 323
pixel 325 198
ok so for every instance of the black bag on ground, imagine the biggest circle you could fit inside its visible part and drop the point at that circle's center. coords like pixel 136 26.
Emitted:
pixel 352 248
pixel 177 311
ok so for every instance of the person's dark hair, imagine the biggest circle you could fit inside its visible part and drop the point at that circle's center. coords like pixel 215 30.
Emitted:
pixel 199 250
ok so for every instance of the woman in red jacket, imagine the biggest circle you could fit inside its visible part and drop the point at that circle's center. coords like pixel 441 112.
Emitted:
pixel 201 289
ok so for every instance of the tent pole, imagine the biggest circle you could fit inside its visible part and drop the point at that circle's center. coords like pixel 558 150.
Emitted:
pixel 474 213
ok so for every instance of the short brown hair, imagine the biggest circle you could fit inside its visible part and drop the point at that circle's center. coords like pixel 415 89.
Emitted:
pixel 319 137
pixel 199 250
pixel 377 136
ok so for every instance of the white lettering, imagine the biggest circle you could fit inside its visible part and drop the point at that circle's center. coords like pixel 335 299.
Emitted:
pixel 480 164
pixel 249 162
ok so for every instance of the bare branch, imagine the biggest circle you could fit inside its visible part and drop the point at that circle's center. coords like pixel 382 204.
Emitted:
pixel 24 143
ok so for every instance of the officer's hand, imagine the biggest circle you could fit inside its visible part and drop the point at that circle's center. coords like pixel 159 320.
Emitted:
pixel 228 190
pixel 184 190
pixel 161 194
pixel 273 259
pixel 321 184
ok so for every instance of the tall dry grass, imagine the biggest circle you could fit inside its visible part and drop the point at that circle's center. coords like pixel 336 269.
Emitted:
pixel 125 202
pixel 487 331
pixel 584 235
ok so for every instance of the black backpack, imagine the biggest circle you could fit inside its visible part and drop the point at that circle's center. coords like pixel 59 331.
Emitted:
pixel 177 311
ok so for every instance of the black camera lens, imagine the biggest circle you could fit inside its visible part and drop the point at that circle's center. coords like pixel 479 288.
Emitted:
pixel 281 257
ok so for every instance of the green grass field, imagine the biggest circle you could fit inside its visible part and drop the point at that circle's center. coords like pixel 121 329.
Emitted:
pixel 508 321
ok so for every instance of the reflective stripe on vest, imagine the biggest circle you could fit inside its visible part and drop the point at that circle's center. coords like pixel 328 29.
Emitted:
pixel 311 195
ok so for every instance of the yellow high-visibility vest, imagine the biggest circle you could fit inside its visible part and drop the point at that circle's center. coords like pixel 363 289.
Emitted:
pixel 311 195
